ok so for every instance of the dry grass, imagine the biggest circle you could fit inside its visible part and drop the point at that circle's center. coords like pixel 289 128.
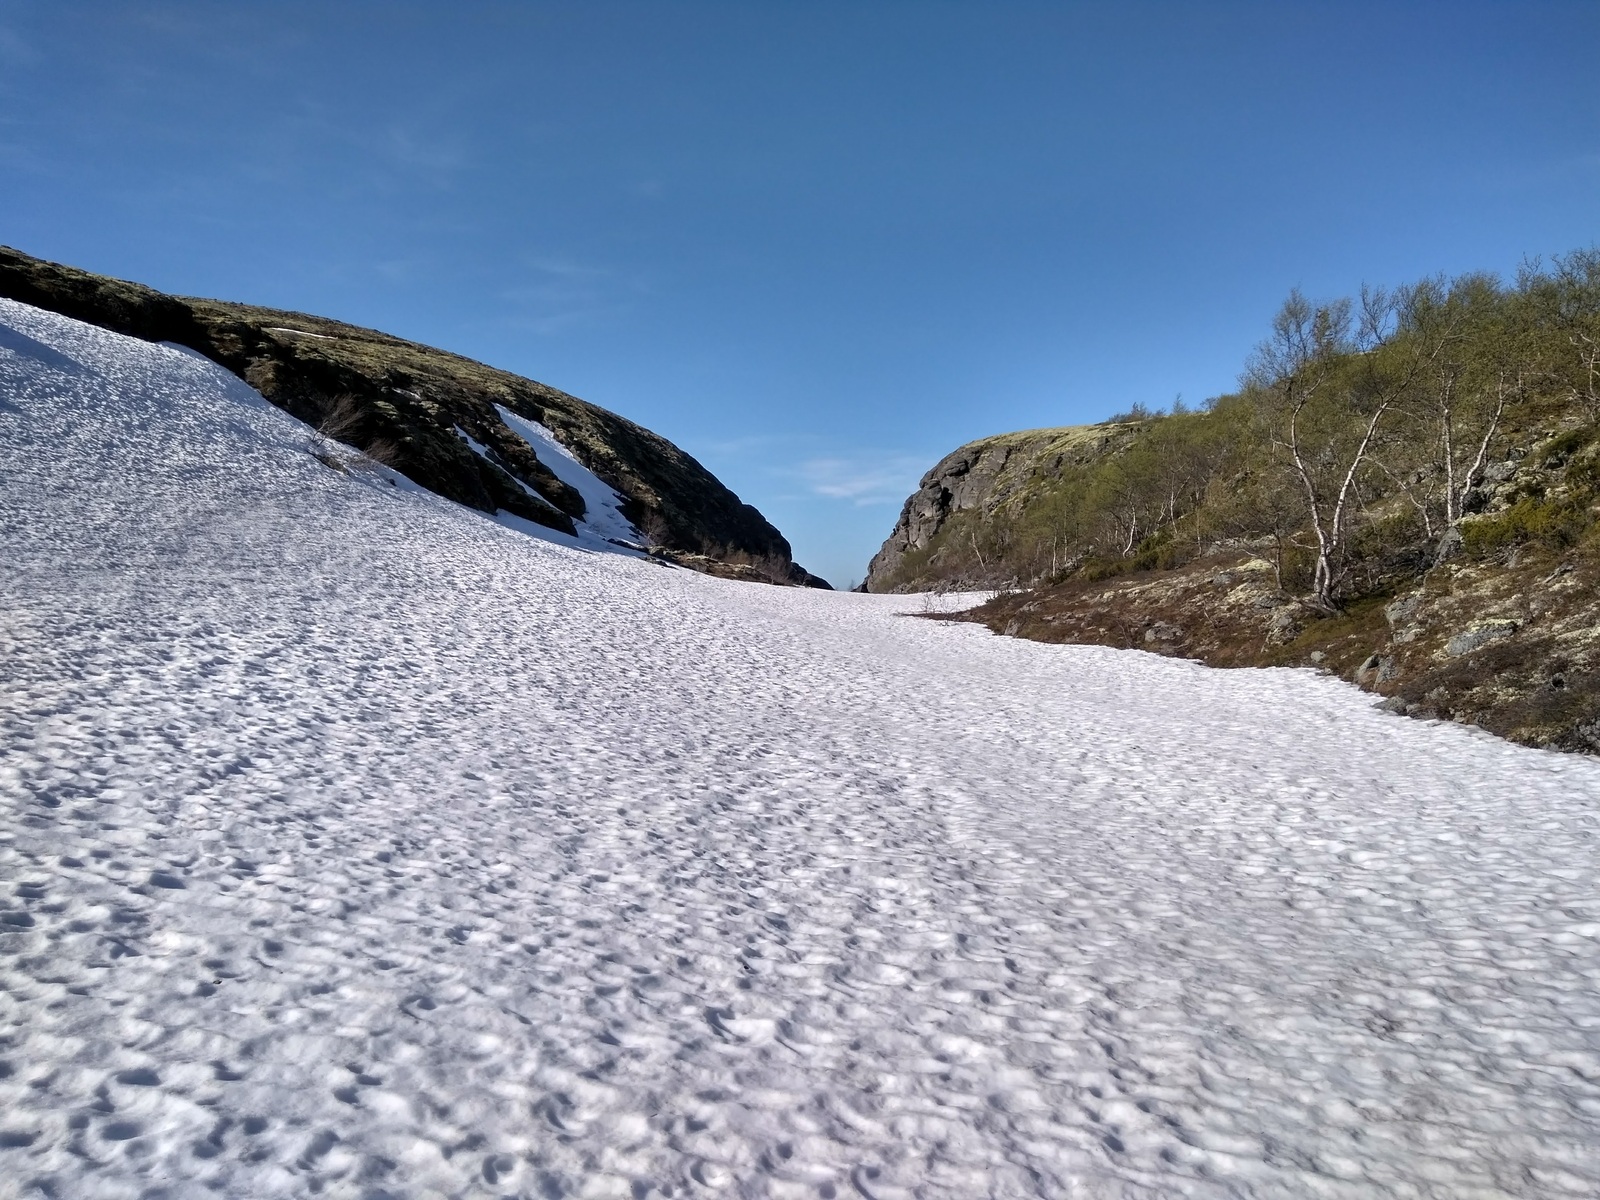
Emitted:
pixel 1539 685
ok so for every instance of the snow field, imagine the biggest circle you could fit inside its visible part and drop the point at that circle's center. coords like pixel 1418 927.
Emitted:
pixel 356 845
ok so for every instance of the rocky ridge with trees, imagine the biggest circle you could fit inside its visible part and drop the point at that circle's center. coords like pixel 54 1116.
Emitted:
pixel 1404 490
pixel 413 407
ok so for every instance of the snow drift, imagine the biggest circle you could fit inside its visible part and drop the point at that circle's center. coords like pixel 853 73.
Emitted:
pixel 355 844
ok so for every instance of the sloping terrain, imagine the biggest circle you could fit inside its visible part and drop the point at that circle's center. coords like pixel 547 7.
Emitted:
pixel 1411 500
pixel 353 844
pixel 1499 628
pixel 436 417
pixel 1514 651
pixel 982 481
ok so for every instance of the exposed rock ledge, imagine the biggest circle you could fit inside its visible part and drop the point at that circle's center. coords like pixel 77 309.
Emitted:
pixel 988 474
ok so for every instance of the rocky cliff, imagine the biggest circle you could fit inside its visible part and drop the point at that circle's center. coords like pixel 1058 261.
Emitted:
pixel 415 408
pixel 982 479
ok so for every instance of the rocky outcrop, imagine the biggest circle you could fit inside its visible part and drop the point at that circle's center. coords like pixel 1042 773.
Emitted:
pixel 957 481
pixel 414 408
pixel 981 478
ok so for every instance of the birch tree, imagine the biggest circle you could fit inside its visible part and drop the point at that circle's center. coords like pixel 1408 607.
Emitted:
pixel 1469 376
pixel 1326 393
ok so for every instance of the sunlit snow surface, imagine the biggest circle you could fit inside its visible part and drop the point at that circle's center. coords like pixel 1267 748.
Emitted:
pixel 354 844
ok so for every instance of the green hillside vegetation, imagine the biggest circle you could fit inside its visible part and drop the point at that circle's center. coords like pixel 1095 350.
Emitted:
pixel 1370 438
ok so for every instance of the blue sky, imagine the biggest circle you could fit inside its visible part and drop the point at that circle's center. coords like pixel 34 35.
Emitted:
pixel 818 245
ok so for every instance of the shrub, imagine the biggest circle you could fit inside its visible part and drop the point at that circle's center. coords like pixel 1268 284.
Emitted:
pixel 1556 524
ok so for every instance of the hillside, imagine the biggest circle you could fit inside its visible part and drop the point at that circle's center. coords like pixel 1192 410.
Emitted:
pixel 1405 491
pixel 354 845
pixel 435 417
pixel 989 483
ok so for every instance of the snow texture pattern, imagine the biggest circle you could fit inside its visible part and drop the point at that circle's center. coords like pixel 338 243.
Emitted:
pixel 356 845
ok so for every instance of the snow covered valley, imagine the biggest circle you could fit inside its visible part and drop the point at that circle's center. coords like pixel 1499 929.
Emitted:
pixel 357 845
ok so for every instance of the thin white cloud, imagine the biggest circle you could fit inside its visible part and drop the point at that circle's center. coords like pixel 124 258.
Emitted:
pixel 562 294
pixel 14 50
pixel 862 479
pixel 804 468
pixel 430 153
pixel 741 446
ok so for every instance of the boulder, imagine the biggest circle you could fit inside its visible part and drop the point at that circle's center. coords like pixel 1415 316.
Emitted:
pixel 1450 545
pixel 1403 609
pixel 1481 634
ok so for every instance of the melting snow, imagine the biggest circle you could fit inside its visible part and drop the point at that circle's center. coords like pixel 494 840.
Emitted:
pixel 321 337
pixel 587 537
pixel 603 505
pixel 355 844
pixel 476 446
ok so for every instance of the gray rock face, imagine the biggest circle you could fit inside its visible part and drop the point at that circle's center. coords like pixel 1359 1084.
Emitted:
pixel 960 480
pixel 1403 609
pixel 1450 545
pixel 984 475
pixel 1469 640
pixel 1283 626
pixel 1401 615
pixel 1499 472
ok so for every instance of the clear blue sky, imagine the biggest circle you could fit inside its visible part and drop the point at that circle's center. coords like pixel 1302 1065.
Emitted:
pixel 818 245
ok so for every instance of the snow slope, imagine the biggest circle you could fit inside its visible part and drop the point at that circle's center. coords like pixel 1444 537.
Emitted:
pixel 356 845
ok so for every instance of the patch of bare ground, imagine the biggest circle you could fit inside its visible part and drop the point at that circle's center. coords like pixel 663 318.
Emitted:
pixel 1513 648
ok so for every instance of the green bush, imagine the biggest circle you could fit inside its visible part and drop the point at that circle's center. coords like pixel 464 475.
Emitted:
pixel 1555 524
pixel 1160 552
pixel 1098 566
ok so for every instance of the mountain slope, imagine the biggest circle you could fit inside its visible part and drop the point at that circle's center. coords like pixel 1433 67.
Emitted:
pixel 353 845
pixel 1411 501
pixel 981 481
pixel 423 410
